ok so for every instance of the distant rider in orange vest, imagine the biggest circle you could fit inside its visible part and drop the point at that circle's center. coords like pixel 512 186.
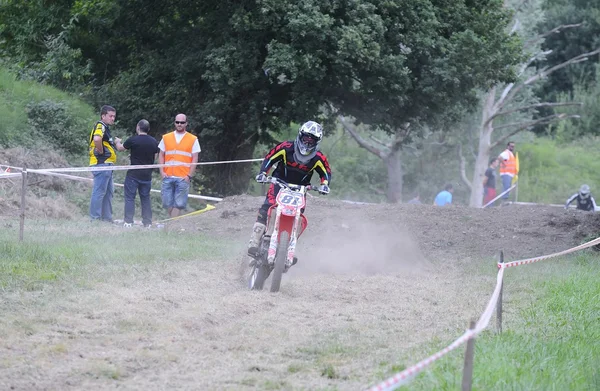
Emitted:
pixel 178 146
pixel 508 168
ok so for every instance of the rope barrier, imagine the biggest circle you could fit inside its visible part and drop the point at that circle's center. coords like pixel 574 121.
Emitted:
pixel 409 373
pixel 591 243
pixel 10 175
pixel 82 179
pixel 137 167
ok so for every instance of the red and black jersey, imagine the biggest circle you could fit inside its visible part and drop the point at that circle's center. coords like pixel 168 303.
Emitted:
pixel 292 171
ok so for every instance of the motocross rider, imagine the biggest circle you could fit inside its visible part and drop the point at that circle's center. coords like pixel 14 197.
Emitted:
pixel 584 199
pixel 294 161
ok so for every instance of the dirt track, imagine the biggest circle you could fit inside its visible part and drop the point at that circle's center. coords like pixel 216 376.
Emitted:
pixel 373 283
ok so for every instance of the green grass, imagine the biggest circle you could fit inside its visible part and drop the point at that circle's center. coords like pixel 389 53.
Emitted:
pixel 551 172
pixel 15 95
pixel 55 250
pixel 550 339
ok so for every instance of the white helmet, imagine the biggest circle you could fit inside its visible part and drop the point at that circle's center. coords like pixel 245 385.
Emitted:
pixel 309 138
pixel 584 191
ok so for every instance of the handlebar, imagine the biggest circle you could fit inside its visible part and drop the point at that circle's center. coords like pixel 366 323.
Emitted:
pixel 291 186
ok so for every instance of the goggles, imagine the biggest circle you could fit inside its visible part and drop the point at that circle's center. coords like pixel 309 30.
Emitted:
pixel 308 140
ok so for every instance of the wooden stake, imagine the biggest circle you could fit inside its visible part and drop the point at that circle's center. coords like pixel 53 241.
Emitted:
pixel 499 302
pixel 22 214
pixel 467 380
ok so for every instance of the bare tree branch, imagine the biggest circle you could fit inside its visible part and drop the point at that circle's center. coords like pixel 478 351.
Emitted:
pixel 361 142
pixel 534 106
pixel 525 123
pixel 532 59
pixel 463 165
pixel 542 121
pixel 555 30
pixel 544 73
pixel 400 137
pixel 379 141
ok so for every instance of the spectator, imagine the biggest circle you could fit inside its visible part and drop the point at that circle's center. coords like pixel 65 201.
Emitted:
pixel 415 200
pixel 584 198
pixel 444 197
pixel 143 152
pixel 102 154
pixel 508 168
pixel 178 146
pixel 489 182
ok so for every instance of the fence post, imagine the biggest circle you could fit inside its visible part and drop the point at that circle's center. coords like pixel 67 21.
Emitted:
pixel 467 380
pixel 23 192
pixel 499 302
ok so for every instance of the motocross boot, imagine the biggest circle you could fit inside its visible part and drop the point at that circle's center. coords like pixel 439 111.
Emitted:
pixel 254 243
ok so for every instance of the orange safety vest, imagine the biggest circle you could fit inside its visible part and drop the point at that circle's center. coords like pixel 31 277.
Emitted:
pixel 181 152
pixel 509 167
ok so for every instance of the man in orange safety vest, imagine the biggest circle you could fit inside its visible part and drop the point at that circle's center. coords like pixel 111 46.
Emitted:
pixel 178 146
pixel 508 168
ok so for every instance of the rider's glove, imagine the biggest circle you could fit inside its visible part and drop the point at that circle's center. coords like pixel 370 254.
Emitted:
pixel 261 178
pixel 324 189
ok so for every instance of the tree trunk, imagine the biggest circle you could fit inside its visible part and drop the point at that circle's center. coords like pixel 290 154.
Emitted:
pixel 233 178
pixel 483 151
pixel 393 162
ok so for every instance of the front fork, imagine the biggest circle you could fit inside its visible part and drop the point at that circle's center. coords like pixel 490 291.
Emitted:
pixel 275 239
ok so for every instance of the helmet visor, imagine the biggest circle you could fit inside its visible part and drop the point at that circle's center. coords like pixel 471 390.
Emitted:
pixel 308 139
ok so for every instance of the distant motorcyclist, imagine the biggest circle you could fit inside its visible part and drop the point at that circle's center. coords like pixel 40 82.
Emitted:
pixel 584 198
pixel 295 162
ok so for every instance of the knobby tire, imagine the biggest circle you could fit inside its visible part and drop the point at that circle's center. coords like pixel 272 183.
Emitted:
pixel 280 258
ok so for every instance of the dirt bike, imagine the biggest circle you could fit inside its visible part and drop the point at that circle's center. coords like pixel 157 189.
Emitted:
pixel 285 224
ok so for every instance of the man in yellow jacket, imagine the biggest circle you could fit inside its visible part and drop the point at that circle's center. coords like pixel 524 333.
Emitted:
pixel 178 146
pixel 508 168
pixel 102 148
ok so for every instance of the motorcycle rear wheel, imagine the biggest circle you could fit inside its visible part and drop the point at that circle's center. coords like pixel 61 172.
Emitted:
pixel 280 258
pixel 257 277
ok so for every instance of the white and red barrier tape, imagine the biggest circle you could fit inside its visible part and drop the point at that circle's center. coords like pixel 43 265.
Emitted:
pixel 537 259
pixel 10 175
pixel 89 180
pixel 406 375
pixel 57 171
pixel 137 167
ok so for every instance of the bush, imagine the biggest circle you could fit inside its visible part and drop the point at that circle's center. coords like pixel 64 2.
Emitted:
pixel 32 113
pixel 52 121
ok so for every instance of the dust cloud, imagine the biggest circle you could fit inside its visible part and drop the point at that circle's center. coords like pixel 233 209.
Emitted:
pixel 357 246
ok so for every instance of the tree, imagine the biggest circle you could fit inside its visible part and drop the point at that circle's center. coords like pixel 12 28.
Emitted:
pixel 240 68
pixel 513 99
pixel 569 43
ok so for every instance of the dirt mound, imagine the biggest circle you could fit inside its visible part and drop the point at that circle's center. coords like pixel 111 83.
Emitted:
pixel 380 237
pixel 46 195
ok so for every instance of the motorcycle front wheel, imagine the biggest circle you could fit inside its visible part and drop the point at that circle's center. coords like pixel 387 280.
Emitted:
pixel 280 258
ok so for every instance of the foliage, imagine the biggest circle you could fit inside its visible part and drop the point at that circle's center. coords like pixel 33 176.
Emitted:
pixel 551 172
pixel 239 69
pixel 589 96
pixel 570 43
pixel 52 121
pixel 32 113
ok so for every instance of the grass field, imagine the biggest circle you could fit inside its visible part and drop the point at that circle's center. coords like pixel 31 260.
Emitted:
pixel 551 333
pixel 102 307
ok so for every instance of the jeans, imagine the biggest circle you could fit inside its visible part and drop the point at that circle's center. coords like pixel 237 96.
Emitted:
pixel 506 184
pixel 174 192
pixel 102 193
pixel 133 185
